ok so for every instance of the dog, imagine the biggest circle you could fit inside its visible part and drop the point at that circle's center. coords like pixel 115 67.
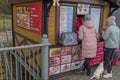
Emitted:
pixel 98 72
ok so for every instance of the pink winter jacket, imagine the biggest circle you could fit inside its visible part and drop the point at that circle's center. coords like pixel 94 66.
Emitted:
pixel 87 34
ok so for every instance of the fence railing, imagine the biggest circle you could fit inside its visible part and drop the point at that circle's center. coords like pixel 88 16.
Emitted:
pixel 24 62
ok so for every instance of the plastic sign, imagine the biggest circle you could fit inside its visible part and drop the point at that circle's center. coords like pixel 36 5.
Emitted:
pixel 83 9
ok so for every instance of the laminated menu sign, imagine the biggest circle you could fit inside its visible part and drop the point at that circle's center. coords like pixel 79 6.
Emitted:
pixel 55 52
pixel 76 53
pixel 75 65
pixel 29 17
pixel 54 61
pixel 66 55
pixel 66 50
pixel 63 59
pixel 65 67
pixel 95 14
pixel 66 19
pixel 54 70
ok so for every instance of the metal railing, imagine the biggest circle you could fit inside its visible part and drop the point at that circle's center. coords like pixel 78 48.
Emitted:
pixel 24 62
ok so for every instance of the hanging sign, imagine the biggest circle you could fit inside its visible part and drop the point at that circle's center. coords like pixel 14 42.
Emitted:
pixel 83 9
pixel 29 17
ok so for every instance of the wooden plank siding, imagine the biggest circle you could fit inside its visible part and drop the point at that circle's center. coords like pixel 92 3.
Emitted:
pixel 105 16
pixel 51 25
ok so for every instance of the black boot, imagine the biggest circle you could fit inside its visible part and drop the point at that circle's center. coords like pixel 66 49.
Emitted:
pixel 82 72
pixel 88 72
pixel 88 68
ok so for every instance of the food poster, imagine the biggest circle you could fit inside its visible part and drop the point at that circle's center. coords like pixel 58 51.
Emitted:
pixel 75 65
pixel 81 62
pixel 66 19
pixel 65 67
pixel 54 52
pixel 76 53
pixel 29 17
pixel 66 50
pixel 75 57
pixel 78 50
pixel 54 61
pixel 65 59
pixel 54 70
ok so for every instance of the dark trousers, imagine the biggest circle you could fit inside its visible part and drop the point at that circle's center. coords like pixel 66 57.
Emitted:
pixel 86 64
pixel 108 57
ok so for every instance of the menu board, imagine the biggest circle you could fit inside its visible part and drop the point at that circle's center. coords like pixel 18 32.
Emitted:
pixel 65 58
pixel 29 17
pixel 95 14
pixel 66 19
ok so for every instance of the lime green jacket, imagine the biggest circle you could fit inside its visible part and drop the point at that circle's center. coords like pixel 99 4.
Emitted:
pixel 111 36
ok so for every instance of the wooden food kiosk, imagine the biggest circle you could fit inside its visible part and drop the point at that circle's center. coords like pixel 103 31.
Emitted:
pixel 67 58
pixel 33 18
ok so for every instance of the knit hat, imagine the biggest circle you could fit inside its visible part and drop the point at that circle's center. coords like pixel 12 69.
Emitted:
pixel 111 19
pixel 88 17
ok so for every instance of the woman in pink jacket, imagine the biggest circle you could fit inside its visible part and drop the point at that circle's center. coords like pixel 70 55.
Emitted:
pixel 87 34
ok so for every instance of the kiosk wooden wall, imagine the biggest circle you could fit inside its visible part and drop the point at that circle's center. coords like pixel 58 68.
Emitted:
pixel 52 25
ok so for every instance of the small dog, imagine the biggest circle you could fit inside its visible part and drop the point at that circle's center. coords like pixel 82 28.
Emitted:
pixel 98 72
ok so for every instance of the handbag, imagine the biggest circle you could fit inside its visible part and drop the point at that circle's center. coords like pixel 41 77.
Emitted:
pixel 68 38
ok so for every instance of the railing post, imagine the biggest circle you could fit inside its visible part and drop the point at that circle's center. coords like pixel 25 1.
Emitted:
pixel 17 66
pixel 44 52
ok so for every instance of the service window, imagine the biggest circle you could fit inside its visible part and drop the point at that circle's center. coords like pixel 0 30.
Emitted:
pixel 68 13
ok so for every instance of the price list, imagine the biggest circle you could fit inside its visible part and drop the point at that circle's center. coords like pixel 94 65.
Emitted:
pixel 66 19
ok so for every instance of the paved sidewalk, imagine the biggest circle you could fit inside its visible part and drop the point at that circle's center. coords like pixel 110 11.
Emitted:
pixel 75 76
